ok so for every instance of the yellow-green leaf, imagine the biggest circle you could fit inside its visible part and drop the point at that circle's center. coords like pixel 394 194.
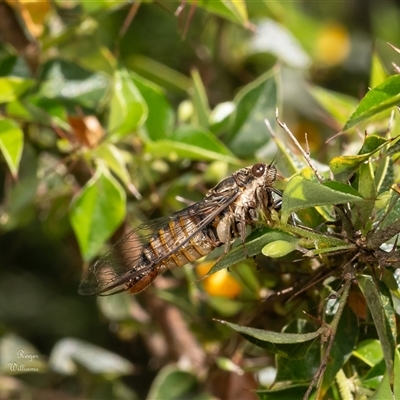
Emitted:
pixel 97 211
pixel 11 143
pixel 12 87
pixel 128 110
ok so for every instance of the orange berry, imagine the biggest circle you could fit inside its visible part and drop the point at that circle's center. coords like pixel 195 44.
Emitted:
pixel 222 283
pixel 333 44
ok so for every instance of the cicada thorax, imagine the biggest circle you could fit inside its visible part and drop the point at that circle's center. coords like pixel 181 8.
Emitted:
pixel 255 185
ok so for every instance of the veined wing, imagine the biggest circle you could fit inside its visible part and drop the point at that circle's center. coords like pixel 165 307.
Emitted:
pixel 111 272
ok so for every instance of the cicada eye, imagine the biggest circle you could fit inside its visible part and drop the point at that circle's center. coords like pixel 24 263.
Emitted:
pixel 258 170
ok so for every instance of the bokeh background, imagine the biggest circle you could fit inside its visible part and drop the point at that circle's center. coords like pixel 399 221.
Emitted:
pixel 60 63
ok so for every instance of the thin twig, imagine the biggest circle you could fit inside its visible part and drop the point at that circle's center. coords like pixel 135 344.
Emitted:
pixel 375 240
pixel 394 47
pixel 331 333
pixel 386 213
pixel 307 145
pixel 269 127
pixel 295 141
pixel 132 12
pixel 336 135
pixel 182 343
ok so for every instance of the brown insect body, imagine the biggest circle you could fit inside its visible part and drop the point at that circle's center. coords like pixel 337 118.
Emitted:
pixel 187 235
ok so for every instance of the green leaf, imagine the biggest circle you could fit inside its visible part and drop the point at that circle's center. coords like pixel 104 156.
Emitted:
pixel 40 110
pixel 113 157
pixel 160 73
pixel 369 351
pixel 14 66
pixel 193 143
pixel 245 274
pixel 380 305
pixel 338 105
pixel 302 193
pixel 68 353
pixel 51 110
pixel 343 167
pixel 384 175
pixel 92 7
pixel 319 242
pixel 11 144
pixel 233 10
pixel 98 209
pixel 254 103
pixel 372 143
pixel 326 250
pixel 12 87
pixel 303 369
pixel 72 84
pixel 290 345
pixel 393 209
pixel 378 72
pixel 225 307
pixel 366 187
pixel 253 246
pixel 172 383
pixel 373 378
pixel 386 390
pixel 19 205
pixel 200 101
pixel 176 150
pixel 394 147
pixel 345 339
pixel 200 138
pixel 286 393
pixel 128 110
pixel 380 98
pixel 160 118
pixel 17 109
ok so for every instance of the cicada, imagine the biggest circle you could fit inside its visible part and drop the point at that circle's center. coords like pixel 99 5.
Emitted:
pixel 187 235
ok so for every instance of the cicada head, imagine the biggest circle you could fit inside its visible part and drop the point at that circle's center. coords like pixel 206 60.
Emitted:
pixel 266 173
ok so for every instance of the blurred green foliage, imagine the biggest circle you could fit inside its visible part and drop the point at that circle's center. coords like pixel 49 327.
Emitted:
pixel 112 113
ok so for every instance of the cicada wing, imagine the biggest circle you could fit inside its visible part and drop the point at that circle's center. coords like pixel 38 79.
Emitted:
pixel 113 272
pixel 110 271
